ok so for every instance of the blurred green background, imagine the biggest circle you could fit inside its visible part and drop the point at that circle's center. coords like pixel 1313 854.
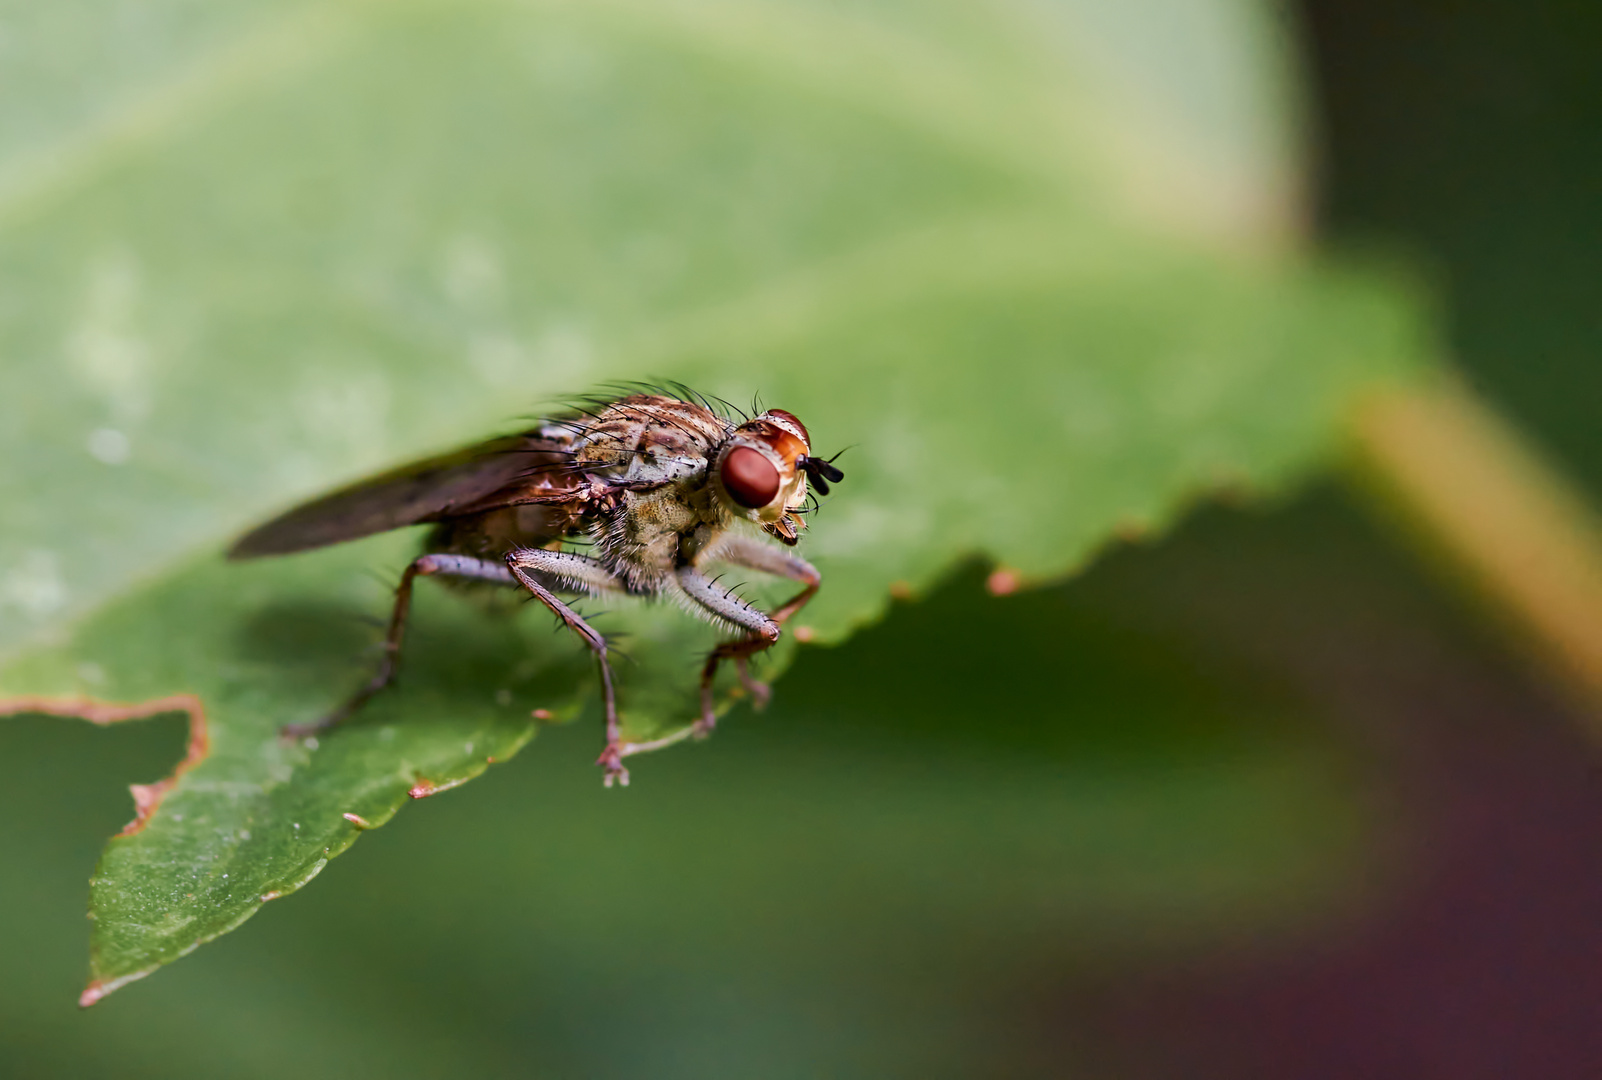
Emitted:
pixel 1304 818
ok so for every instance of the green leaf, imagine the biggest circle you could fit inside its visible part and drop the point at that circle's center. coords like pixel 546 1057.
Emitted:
pixel 1033 264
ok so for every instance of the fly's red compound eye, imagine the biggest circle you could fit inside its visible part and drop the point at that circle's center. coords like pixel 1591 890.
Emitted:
pixel 750 478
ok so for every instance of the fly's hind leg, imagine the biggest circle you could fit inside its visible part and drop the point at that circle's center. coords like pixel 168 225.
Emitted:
pixel 763 629
pixel 586 575
pixel 451 565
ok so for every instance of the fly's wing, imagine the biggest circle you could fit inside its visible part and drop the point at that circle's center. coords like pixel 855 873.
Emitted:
pixel 502 472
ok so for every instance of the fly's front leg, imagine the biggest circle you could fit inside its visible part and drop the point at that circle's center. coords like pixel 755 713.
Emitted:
pixel 763 631
pixel 763 628
pixel 451 565
pixel 755 555
pixel 587 575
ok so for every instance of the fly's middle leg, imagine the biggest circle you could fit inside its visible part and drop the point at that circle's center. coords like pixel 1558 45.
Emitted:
pixel 452 565
pixel 588 575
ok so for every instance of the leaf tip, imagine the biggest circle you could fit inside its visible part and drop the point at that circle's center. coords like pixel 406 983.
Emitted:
pixel 99 988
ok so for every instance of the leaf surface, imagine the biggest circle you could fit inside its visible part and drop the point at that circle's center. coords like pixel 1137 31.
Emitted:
pixel 1033 263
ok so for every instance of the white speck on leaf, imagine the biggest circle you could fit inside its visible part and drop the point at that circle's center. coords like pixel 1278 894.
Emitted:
pixel 104 349
pixel 109 445
pixel 344 413
pixel 34 585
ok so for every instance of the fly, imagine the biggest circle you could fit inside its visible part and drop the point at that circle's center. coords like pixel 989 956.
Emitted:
pixel 660 483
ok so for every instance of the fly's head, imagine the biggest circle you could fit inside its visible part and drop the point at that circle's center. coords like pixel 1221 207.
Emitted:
pixel 762 469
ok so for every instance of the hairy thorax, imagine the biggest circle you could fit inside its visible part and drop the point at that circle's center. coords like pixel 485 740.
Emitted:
pixel 653 532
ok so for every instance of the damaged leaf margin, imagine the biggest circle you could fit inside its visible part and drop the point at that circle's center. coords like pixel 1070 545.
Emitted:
pixel 147 797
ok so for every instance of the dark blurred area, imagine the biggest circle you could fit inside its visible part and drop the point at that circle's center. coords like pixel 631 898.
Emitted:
pixel 1464 131
pixel 1307 817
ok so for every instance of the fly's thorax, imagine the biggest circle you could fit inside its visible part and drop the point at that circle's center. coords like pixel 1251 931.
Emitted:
pixel 649 439
pixel 698 541
pixel 640 538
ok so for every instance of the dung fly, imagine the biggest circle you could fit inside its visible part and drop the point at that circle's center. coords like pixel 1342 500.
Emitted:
pixel 659 482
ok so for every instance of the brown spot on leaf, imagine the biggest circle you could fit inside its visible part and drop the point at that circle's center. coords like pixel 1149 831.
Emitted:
pixel 900 590
pixel 147 797
pixel 805 633
pixel 422 789
pixel 1002 582
pixel 544 714
pixel 1132 530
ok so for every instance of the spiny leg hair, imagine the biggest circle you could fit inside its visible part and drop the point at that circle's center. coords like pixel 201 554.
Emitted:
pixel 723 604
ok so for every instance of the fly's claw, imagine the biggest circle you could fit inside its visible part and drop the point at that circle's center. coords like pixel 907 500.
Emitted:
pixel 761 693
pixel 611 760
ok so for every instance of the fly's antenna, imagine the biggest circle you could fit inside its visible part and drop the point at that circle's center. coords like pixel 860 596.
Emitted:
pixel 821 471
